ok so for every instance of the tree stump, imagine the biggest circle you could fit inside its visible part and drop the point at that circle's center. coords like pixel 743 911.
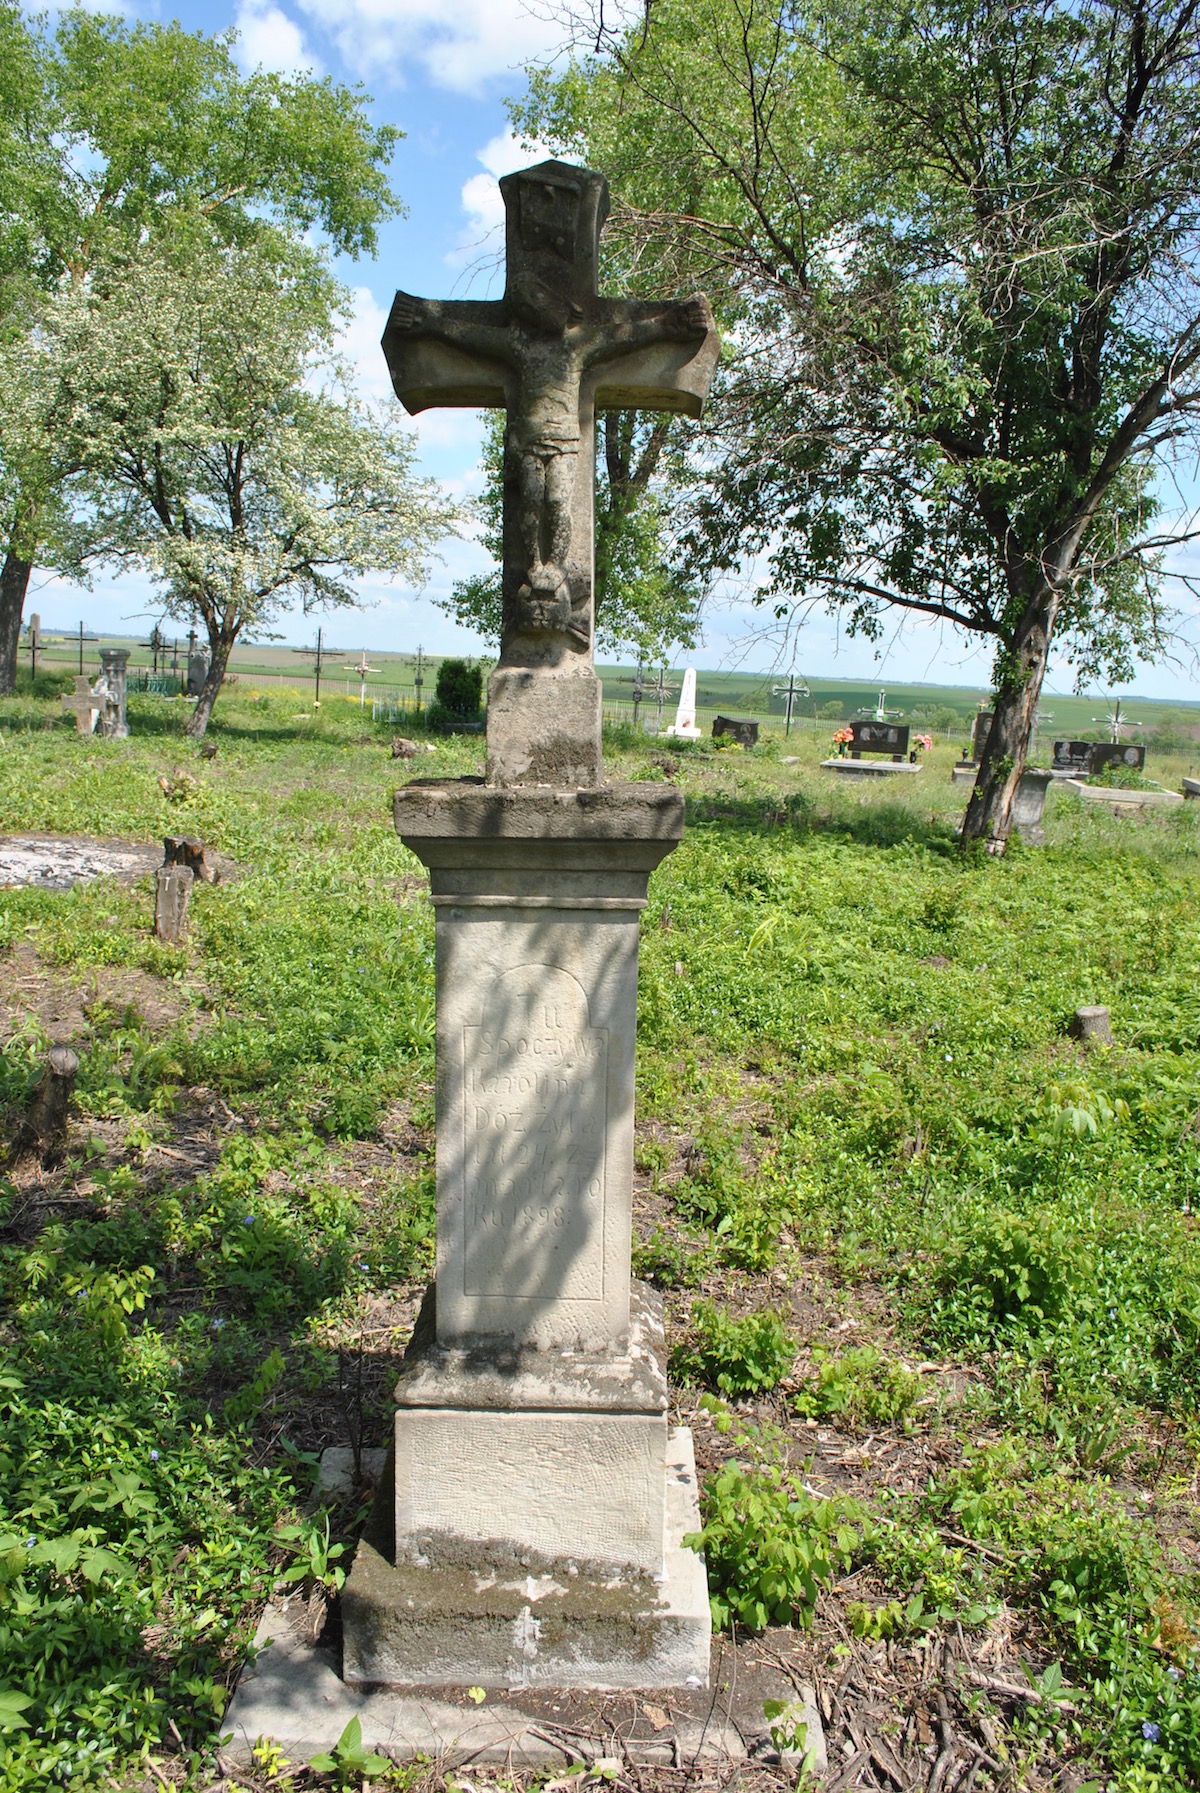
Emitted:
pixel 51 1099
pixel 1091 1026
pixel 171 902
pixel 186 849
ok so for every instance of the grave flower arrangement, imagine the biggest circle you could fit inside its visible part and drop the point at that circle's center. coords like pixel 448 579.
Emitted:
pixel 924 742
pixel 842 738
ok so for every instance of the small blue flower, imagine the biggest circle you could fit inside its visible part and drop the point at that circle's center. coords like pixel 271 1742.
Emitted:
pixel 217 1323
pixel 154 1456
pixel 81 1294
pixel 247 1220
pixel 1151 1732
pixel 1173 1672
pixel 31 1540
pixel 1112 1313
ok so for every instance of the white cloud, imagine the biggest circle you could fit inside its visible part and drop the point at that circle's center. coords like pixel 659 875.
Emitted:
pixel 359 345
pixel 481 198
pixel 460 45
pixel 268 39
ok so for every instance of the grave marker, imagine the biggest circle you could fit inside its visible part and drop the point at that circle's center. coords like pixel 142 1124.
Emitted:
pixel 552 352
pixel 85 705
pixel 530 1529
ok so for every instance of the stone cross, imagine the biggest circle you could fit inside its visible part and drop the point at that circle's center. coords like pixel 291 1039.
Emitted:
pixel 85 705
pixel 552 352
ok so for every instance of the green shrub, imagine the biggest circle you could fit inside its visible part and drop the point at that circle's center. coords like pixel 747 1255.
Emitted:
pixel 1016 1268
pixel 737 1357
pixel 861 1385
pixel 459 688
pixel 770 1547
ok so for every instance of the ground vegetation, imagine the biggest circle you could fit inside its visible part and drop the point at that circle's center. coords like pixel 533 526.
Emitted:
pixel 929 1265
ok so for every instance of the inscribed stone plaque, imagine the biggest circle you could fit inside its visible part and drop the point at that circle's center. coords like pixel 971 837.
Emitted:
pixel 533 1119
pixel 879 737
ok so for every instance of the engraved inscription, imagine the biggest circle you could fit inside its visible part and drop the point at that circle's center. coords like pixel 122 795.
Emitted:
pixel 534 1110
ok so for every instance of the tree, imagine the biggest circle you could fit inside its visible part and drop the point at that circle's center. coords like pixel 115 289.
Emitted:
pixel 111 134
pixel 643 597
pixel 957 242
pixel 213 454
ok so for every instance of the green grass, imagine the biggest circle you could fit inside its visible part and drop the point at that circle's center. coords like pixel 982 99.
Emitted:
pixel 894 1012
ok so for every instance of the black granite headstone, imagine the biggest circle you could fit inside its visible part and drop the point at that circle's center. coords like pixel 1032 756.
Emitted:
pixel 889 738
pixel 738 728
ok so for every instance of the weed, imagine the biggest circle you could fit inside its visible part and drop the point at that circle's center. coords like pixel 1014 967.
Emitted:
pixel 737 1357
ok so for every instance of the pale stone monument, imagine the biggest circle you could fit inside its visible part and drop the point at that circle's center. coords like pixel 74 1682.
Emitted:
pixel 684 727
pixel 85 705
pixel 111 688
pixel 528 1528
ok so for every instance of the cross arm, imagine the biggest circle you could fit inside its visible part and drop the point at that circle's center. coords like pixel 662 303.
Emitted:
pixel 451 352
pixel 655 355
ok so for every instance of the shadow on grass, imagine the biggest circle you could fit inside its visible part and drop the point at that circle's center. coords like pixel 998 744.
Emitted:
pixel 884 825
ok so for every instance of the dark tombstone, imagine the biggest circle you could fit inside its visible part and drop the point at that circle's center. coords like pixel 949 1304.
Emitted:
pixel 1119 754
pixel 47 1119
pixel 1072 757
pixel 889 739
pixel 737 728
pixel 171 902
pixel 186 849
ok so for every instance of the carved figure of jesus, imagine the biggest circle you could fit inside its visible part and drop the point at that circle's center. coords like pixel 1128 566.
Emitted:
pixel 550 351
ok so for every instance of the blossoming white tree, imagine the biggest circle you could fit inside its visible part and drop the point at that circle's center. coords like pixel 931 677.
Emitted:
pixel 219 447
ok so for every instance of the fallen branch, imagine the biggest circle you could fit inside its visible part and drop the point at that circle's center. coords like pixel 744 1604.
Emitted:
pixel 1010 1690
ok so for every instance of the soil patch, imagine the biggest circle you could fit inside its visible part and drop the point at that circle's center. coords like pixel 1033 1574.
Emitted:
pixel 59 861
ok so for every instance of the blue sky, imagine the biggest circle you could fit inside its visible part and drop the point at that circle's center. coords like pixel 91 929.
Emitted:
pixel 439 69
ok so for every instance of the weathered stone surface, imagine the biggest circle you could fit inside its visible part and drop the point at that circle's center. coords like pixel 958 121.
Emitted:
pixel 507 1617
pixel 555 1452
pixel 1029 804
pixel 403 748
pixel 1091 1025
pixel 197 671
pixel 84 705
pixel 543 726
pixel 48 1111
pixel 550 351
pixel 432 810
pixel 870 768
pixel 1191 789
pixel 1122 803
pixel 173 889
pixel 631 1378
pixel 110 687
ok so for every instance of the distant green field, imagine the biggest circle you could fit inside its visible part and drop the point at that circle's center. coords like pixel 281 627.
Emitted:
pixel 942 707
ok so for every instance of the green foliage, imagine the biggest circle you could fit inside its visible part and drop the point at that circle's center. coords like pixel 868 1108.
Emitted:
pixel 460 688
pixel 770 1547
pixel 1015 1268
pixel 350 1764
pixel 860 1386
pixel 736 1357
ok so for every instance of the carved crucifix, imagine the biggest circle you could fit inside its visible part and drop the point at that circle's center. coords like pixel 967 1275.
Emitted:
pixel 552 352
pixel 85 705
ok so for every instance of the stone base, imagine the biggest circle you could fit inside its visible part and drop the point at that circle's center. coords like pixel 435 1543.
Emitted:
pixel 869 768
pixel 1123 803
pixel 684 734
pixel 493 1617
pixel 965 772
pixel 1191 789
pixel 543 727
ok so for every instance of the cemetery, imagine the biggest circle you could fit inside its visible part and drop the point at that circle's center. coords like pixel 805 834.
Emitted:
pixel 841 1190
pixel 543 1247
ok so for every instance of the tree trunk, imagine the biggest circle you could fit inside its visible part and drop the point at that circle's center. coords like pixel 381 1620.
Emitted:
pixel 219 648
pixel 14 583
pixel 1014 709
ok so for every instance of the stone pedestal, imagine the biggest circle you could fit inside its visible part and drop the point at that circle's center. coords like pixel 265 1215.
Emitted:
pixel 1029 806
pixel 532 1533
pixel 111 688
